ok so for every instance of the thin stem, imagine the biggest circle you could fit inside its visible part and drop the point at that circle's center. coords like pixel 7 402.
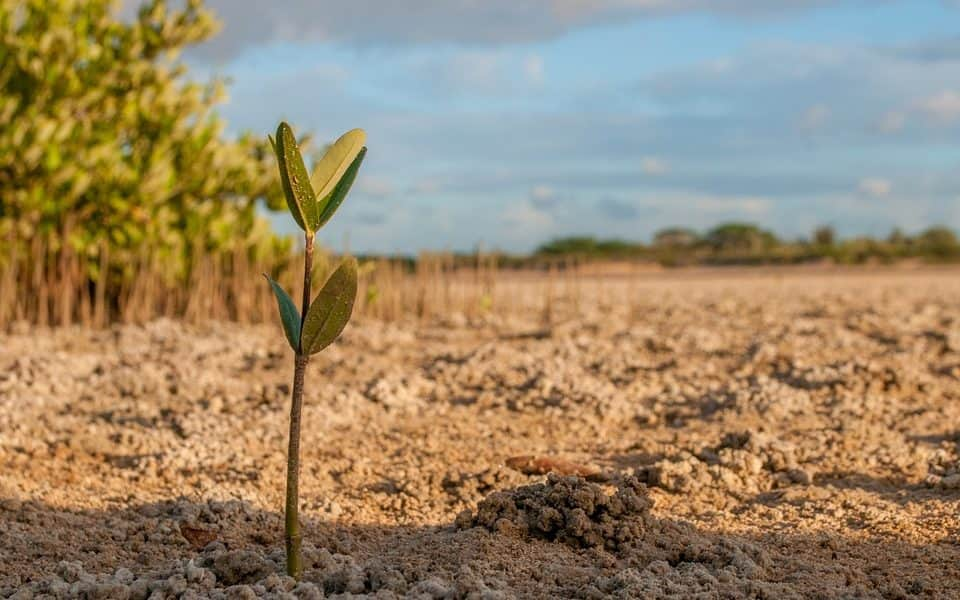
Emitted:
pixel 294 538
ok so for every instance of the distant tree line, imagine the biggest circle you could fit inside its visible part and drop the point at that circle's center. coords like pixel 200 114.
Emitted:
pixel 749 244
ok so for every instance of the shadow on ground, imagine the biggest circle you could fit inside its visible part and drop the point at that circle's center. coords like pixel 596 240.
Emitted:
pixel 155 542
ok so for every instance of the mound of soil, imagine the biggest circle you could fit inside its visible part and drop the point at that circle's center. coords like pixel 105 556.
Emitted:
pixel 569 510
pixel 615 519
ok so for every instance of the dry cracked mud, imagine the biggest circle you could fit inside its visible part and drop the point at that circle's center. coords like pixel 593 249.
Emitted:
pixel 784 434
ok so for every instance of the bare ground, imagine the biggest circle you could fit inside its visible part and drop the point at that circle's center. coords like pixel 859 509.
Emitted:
pixel 770 436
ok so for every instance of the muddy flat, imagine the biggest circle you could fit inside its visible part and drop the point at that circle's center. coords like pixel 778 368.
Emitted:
pixel 779 435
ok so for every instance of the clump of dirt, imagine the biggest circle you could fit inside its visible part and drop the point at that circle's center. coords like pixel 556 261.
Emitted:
pixel 616 519
pixel 568 509
pixel 216 573
pixel 465 487
pixel 742 463
pixel 944 467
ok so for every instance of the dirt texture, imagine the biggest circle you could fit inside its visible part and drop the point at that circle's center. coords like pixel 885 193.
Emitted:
pixel 726 435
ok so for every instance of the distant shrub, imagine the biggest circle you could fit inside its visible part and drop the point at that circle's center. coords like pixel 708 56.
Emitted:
pixel 749 244
pixel 676 237
pixel 939 244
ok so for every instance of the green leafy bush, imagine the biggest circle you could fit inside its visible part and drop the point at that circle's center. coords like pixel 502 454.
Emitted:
pixel 106 141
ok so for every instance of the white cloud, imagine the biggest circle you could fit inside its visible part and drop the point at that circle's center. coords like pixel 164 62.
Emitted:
pixel 524 217
pixel 474 71
pixel 943 106
pixel 843 90
pixel 693 142
pixel 875 187
pixel 542 196
pixel 468 73
pixel 651 165
pixel 250 23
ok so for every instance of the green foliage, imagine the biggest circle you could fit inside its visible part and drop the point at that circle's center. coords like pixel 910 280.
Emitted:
pixel 332 169
pixel 327 315
pixel 288 314
pixel 897 237
pixel 331 309
pixel 676 237
pixel 105 140
pixel 333 201
pixel 333 176
pixel 587 247
pixel 301 199
pixel 939 243
pixel 740 237
pixel 748 244
pixel 824 236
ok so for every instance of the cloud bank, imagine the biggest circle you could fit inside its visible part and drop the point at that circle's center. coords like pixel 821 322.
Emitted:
pixel 506 122
pixel 250 23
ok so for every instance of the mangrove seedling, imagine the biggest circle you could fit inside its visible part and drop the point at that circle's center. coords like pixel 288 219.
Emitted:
pixel 312 201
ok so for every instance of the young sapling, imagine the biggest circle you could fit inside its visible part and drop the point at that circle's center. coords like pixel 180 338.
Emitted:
pixel 312 201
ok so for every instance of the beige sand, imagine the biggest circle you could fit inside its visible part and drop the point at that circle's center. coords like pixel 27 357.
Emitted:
pixel 795 434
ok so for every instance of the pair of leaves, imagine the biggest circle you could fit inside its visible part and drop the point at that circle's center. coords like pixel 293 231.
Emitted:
pixel 327 315
pixel 333 176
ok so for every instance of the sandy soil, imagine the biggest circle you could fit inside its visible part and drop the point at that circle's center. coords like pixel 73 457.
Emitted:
pixel 772 436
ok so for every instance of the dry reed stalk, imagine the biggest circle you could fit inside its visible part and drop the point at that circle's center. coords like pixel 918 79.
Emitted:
pixel 63 288
pixel 46 286
pixel 85 307
pixel 40 283
pixel 8 282
pixel 100 314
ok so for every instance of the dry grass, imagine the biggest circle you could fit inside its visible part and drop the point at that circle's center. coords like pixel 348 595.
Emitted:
pixel 44 288
pixel 55 288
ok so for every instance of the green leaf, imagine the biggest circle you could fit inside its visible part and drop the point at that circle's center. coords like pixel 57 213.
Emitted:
pixel 331 168
pixel 295 181
pixel 289 315
pixel 332 202
pixel 331 309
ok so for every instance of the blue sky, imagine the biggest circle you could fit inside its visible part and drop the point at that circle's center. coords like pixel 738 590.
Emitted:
pixel 508 122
